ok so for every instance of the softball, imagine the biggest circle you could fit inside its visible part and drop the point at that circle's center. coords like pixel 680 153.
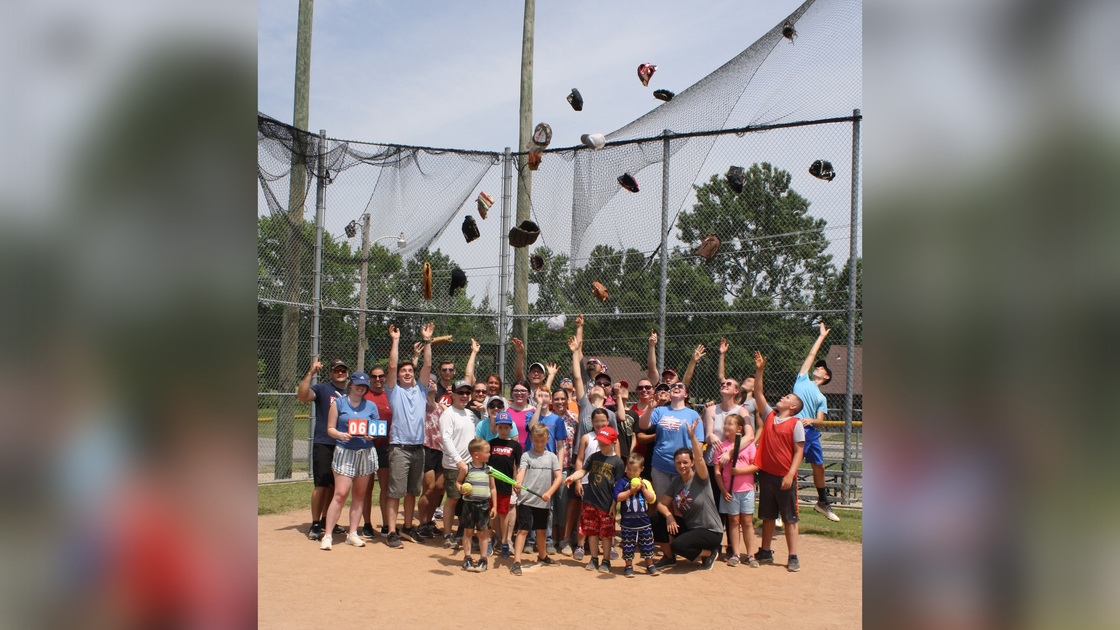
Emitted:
pixel 466 488
pixel 635 482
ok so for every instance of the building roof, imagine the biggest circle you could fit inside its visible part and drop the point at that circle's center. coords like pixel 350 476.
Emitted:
pixel 623 369
pixel 838 362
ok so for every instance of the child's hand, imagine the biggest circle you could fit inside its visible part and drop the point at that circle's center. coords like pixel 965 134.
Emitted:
pixel 579 490
pixel 727 497
pixel 787 482
pixel 494 513
pixel 546 497
pixel 517 487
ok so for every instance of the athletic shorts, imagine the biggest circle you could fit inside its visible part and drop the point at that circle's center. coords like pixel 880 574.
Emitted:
pixel 813 453
pixel 450 476
pixel 741 503
pixel 476 515
pixel 406 470
pixel 322 456
pixel 640 539
pixel 530 519
pixel 773 501
pixel 503 504
pixel 354 463
pixel 595 522
pixel 382 456
pixel 433 459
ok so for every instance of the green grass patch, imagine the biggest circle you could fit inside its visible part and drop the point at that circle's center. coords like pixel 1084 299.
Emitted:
pixel 850 527
pixel 278 498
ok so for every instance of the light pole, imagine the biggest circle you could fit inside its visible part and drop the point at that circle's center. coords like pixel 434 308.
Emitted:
pixel 365 275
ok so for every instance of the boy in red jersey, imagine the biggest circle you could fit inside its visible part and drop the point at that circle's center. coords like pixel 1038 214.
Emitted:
pixel 779 455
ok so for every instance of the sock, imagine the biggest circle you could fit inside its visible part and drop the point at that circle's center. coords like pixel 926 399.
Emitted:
pixel 821 495
pixel 793 557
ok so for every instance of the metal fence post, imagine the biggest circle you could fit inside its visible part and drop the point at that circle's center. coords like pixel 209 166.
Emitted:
pixel 664 251
pixel 852 271
pixel 503 257
pixel 316 301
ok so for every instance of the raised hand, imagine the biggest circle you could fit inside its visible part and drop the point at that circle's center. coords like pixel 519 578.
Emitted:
pixel 475 346
pixel 573 345
pixel 759 360
pixel 417 348
pixel 315 365
pixel 652 338
pixel 824 331
pixel 552 368
pixel 394 332
pixel 518 345
pixel 698 352
pixel 692 426
pixel 723 345
pixel 579 321
pixel 427 330
pixel 622 392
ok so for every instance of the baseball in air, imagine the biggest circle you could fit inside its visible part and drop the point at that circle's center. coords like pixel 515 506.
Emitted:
pixel 466 488
pixel 635 483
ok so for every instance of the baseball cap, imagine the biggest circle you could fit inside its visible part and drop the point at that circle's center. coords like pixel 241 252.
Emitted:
pixel 603 376
pixel 594 360
pixel 538 365
pixel 339 362
pixel 661 387
pixel 496 403
pixel 460 385
pixel 668 371
pixel 360 378
pixel 824 364
pixel 503 418
pixel 607 435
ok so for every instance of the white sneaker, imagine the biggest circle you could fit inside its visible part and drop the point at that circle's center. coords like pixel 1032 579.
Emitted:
pixel 778 522
pixel 438 515
pixel 354 540
pixel 325 543
pixel 826 509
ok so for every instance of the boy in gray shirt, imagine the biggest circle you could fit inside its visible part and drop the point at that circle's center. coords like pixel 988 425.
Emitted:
pixel 540 473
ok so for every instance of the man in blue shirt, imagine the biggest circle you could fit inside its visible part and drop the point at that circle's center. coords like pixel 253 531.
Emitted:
pixel 814 411
pixel 408 400
pixel 322 451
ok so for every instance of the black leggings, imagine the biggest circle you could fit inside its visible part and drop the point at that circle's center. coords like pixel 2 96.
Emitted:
pixel 689 543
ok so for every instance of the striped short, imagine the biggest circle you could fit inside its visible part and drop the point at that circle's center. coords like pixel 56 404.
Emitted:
pixel 352 463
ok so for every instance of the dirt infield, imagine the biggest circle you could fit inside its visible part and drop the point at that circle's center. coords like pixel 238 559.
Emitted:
pixel 300 586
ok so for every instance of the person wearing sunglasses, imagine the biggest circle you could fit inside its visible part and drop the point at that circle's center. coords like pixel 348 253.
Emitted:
pixel 355 459
pixel 376 395
pixel 486 428
pixel 477 405
pixel 714 416
pixel 322 450
pixel 643 438
pixel 456 429
pixel 672 423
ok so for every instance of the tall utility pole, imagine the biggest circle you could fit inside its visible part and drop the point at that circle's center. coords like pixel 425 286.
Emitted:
pixel 289 325
pixel 362 297
pixel 524 181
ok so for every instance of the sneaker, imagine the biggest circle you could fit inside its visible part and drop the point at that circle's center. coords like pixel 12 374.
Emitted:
pixel 794 565
pixel 367 532
pixel 605 567
pixel 665 562
pixel 438 514
pixel 385 531
pixel 593 564
pixel 338 531
pixel 614 553
pixel 481 566
pixel 652 570
pixel 764 556
pixel 547 561
pixel 325 543
pixel 629 571
pixel 448 541
pixel 708 561
pixel 422 530
pixel 489 548
pixel 733 561
pixel 515 568
pixel 566 549
pixel 578 553
pixel 354 540
pixel 314 532
pixel 395 540
pixel 505 550
pixel 456 542
pixel 468 565
pixel 752 562
pixel 826 509
pixel 550 549
pixel 778 522
pixel 411 534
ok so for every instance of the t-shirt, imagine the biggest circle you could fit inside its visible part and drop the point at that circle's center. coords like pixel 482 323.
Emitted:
pixel 635 510
pixel 602 473
pixel 324 393
pixel 812 401
pixel 456 428
pixel 742 483
pixel 557 431
pixel 521 419
pixel 365 410
pixel 585 409
pixel 718 417
pixel 431 427
pixel 386 413
pixel 480 483
pixel 626 428
pixel 672 425
pixel 482 430
pixel 539 470
pixel 695 502
pixel 571 421
pixel 408 405
pixel 505 455
pixel 775 448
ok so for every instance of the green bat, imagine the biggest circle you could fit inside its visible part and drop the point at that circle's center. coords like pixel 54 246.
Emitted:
pixel 501 476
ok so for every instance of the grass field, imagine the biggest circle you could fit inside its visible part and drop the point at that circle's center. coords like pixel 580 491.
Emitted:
pixel 287 497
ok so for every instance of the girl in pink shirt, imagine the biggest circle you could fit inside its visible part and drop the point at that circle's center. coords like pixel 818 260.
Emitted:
pixel 736 487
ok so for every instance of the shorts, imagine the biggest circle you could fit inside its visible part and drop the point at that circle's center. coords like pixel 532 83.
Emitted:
pixel 741 503
pixel 530 518
pixel 406 470
pixel 382 456
pixel 502 504
pixel 322 456
pixel 642 539
pixel 450 476
pixel 561 498
pixel 353 463
pixel 773 501
pixel 595 522
pixel 433 459
pixel 476 515
pixel 813 453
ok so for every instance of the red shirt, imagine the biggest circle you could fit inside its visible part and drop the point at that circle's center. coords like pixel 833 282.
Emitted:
pixel 384 412
pixel 775 449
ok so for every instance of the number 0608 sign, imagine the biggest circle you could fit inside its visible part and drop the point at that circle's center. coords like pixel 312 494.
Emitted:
pixel 374 428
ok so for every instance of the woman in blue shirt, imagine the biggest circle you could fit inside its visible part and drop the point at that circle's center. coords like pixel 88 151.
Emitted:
pixel 351 422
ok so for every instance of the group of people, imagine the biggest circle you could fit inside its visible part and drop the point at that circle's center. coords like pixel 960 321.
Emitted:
pixel 577 464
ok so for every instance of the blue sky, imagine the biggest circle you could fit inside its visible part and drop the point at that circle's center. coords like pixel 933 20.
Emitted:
pixel 447 74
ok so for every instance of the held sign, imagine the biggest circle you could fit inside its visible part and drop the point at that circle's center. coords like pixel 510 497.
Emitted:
pixel 370 428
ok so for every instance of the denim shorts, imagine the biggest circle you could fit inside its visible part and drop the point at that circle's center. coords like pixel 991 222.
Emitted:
pixel 741 503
